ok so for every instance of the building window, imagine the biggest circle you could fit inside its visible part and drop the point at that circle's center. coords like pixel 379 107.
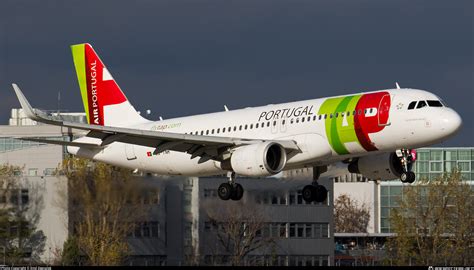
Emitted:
pixel 49 171
pixel 146 230
pixel 155 229
pixel 436 155
pixel 33 172
pixel 464 166
pixel 436 166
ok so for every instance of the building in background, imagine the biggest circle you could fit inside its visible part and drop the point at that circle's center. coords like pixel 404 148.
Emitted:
pixel 301 233
pixel 382 196
pixel 430 164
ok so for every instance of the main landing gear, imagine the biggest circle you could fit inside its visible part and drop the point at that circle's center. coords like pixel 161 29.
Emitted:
pixel 315 192
pixel 406 160
pixel 230 190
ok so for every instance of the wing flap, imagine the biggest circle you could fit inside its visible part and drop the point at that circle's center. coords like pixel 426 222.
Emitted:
pixel 64 143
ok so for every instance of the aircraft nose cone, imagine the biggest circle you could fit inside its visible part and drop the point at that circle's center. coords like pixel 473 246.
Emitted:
pixel 451 122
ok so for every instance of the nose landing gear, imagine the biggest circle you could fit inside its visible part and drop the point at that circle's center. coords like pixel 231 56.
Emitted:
pixel 406 159
pixel 230 190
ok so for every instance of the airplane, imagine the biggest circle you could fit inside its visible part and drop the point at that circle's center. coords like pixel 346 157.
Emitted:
pixel 373 133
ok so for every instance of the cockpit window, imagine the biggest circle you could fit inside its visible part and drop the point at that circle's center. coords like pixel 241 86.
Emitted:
pixel 443 102
pixel 434 103
pixel 421 104
pixel 411 106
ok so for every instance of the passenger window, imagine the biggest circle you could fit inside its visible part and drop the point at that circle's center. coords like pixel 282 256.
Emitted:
pixel 240 127
pixel 302 119
pixel 314 118
pixel 235 128
pixel 411 106
pixel 309 118
pixel 274 123
pixel 336 115
pixel 291 121
pixel 251 126
pixel 223 130
pixel 325 116
pixel 360 112
pixel 202 132
pixel 256 125
pixel 245 127
pixel 207 132
pixel 297 120
pixel 421 104
pixel 434 103
pixel 212 131
pixel 268 124
pixel 283 122
pixel 229 129
pixel 330 116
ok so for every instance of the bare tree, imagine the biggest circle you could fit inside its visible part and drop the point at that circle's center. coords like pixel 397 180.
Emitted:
pixel 350 216
pixel 19 215
pixel 104 209
pixel 433 223
pixel 238 228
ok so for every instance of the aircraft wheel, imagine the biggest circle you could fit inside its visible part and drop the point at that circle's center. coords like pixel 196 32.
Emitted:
pixel 411 177
pixel 308 193
pixel 237 192
pixel 320 194
pixel 404 177
pixel 225 191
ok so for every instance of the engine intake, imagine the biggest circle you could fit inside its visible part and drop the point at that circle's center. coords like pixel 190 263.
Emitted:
pixel 260 159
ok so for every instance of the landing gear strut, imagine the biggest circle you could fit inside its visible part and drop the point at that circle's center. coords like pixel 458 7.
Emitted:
pixel 406 160
pixel 315 192
pixel 230 190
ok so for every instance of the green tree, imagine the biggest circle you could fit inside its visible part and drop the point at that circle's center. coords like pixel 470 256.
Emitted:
pixel 18 235
pixel 71 252
pixel 434 223
pixel 103 206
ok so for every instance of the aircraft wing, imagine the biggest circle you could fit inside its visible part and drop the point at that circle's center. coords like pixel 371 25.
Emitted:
pixel 205 147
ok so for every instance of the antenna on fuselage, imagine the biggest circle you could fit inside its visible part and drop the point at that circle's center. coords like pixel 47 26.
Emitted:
pixel 398 86
pixel 225 108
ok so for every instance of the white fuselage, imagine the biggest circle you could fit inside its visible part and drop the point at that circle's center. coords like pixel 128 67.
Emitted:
pixel 403 129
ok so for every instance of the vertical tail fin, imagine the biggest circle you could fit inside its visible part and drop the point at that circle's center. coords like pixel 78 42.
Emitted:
pixel 104 102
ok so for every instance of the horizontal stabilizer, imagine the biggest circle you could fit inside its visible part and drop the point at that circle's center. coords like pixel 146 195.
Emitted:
pixel 65 143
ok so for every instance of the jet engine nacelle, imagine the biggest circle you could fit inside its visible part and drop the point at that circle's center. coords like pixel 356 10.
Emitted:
pixel 260 159
pixel 386 166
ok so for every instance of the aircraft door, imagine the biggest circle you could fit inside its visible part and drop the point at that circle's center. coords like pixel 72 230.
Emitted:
pixel 384 111
pixel 130 152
